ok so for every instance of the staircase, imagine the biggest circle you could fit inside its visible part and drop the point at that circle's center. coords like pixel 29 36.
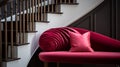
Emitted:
pixel 19 22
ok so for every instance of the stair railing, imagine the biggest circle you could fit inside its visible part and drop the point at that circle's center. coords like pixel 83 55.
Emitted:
pixel 17 18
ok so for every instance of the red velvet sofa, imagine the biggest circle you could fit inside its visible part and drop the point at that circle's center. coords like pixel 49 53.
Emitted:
pixel 55 44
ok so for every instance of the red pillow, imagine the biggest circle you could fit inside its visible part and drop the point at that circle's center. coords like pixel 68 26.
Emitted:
pixel 80 42
pixel 54 39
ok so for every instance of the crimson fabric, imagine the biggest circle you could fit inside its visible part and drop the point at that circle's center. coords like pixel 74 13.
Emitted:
pixel 80 42
pixel 58 39
pixel 54 39
pixel 106 49
pixel 80 57
pixel 101 42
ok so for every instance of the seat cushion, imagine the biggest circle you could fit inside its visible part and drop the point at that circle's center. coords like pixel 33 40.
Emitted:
pixel 80 57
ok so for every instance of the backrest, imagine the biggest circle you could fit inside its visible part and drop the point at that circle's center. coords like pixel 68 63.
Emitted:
pixel 101 42
pixel 58 39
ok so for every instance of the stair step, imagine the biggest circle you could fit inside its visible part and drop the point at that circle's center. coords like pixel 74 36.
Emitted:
pixel 16 38
pixel 17 44
pixel 55 12
pixel 17 28
pixel 11 59
pixel 35 17
pixel 43 21
pixel 50 8
pixel 31 31
pixel 70 3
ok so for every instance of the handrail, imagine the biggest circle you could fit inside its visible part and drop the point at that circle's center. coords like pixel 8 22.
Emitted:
pixel 4 2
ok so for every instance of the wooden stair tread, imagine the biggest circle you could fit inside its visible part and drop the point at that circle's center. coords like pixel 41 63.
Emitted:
pixel 55 12
pixel 10 59
pixel 31 31
pixel 70 3
pixel 42 21
pixel 21 31
pixel 15 44
pixel 21 44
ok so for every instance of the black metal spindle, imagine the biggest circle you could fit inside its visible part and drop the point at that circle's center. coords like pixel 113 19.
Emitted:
pixel 38 10
pixel 6 34
pixel 11 31
pixel 33 19
pixel 65 1
pixel 56 6
pixel 27 15
pixel 23 21
pixel 0 39
pixel 48 4
pixel 35 10
pixel 52 5
pixel 41 10
pixel 30 15
pixel 44 10
pixel 69 1
pixel 20 22
pixel 16 22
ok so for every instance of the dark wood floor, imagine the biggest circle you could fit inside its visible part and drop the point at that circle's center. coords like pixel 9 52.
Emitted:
pixel 87 65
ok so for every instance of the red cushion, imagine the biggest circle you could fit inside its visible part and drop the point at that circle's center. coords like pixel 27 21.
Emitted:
pixel 80 57
pixel 78 41
pixel 54 39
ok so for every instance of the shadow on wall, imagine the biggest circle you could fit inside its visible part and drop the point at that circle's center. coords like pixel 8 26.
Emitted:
pixel 34 43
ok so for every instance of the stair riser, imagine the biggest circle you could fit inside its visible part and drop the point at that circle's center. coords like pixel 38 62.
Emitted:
pixel 21 27
pixel 17 39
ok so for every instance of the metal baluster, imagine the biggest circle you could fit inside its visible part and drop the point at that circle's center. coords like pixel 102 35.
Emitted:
pixel 16 22
pixel 27 16
pixel 30 14
pixel 69 1
pixel 74 1
pixel 6 34
pixel 41 10
pixel 33 15
pixel 20 23
pixel 65 1
pixel 60 1
pixel 11 31
pixel 35 10
pixel 52 4
pixel 38 10
pixel 56 6
pixel 44 10
pixel 23 21
pixel 0 39
pixel 48 4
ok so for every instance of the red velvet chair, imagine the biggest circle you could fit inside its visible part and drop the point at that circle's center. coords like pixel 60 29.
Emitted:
pixel 55 44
